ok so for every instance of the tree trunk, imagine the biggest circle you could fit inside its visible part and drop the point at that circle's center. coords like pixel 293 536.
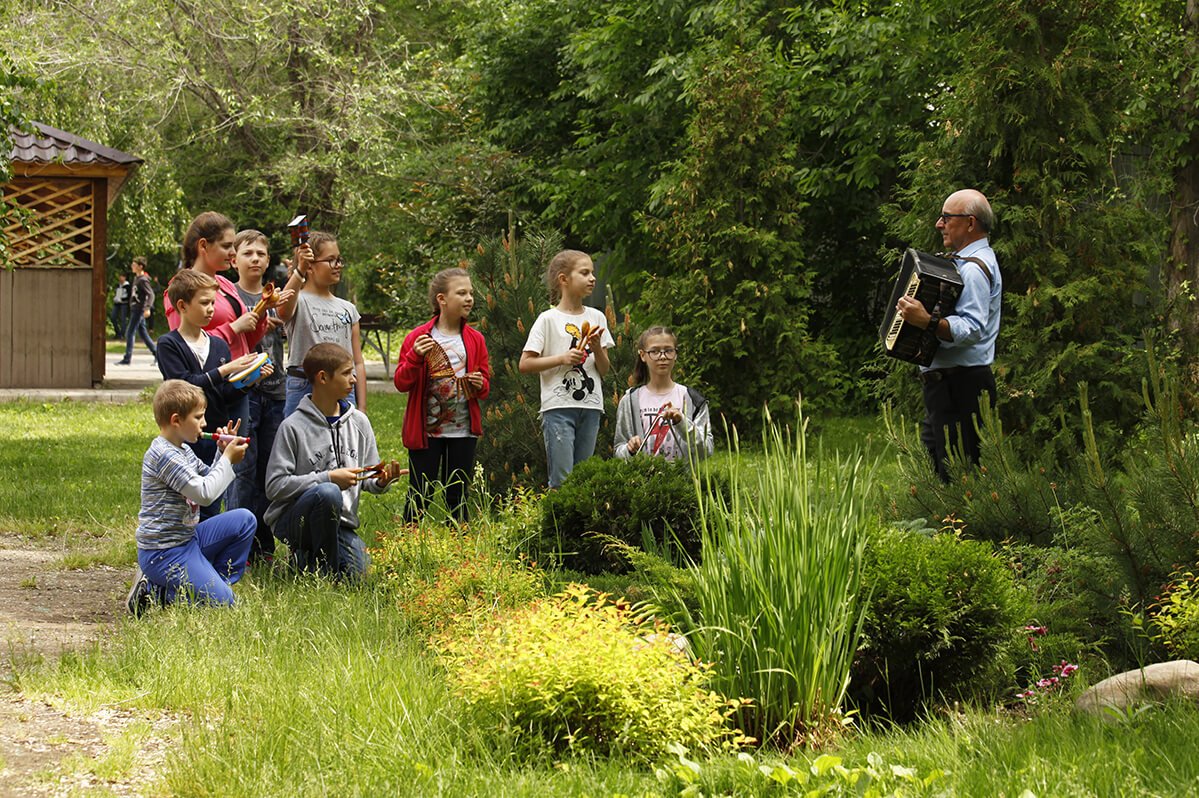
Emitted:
pixel 1184 203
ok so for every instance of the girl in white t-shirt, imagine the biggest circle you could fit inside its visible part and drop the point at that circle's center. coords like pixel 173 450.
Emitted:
pixel 567 347
pixel 658 416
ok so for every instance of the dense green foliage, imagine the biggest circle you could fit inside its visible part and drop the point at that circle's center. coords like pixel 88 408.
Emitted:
pixel 943 614
pixel 624 500
pixel 749 171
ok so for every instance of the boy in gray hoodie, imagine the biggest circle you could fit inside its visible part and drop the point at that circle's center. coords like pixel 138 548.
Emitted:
pixel 324 454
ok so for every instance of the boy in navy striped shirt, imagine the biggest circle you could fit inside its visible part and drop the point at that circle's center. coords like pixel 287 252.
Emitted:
pixel 175 550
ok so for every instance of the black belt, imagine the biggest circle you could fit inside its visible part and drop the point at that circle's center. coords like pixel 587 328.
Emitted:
pixel 933 376
pixel 296 371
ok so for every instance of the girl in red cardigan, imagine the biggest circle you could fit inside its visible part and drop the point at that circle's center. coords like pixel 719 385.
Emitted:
pixel 444 370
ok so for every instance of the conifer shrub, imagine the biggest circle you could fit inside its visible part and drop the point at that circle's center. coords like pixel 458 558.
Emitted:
pixel 580 673
pixel 507 274
pixel 944 613
pixel 627 500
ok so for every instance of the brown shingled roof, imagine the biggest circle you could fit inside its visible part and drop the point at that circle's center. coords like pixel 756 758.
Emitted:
pixel 46 145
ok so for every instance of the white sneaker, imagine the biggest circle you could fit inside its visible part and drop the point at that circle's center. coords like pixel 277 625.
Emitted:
pixel 138 600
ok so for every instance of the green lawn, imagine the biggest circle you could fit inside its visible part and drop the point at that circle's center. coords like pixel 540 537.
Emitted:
pixel 306 688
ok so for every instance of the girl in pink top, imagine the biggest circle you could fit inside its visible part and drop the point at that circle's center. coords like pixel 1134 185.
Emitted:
pixel 208 248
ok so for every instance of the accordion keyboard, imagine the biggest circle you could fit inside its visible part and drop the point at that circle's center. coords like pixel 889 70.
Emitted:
pixel 897 324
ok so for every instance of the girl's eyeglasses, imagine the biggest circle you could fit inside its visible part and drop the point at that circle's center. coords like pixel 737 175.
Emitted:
pixel 662 354
pixel 338 261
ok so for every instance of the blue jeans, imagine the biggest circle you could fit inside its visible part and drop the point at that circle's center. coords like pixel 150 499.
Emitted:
pixel 297 388
pixel 137 326
pixel 205 566
pixel 569 439
pixel 312 528
pixel 249 485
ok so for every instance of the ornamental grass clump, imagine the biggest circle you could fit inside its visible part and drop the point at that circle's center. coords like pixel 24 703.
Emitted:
pixel 581 674
pixel 780 604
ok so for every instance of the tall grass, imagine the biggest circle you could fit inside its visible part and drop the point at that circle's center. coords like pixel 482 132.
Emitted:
pixel 780 609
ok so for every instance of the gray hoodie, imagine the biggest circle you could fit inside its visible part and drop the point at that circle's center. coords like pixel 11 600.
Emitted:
pixel 308 447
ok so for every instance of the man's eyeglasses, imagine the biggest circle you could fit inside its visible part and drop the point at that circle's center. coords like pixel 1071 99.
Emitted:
pixel 945 217
pixel 338 261
pixel 662 354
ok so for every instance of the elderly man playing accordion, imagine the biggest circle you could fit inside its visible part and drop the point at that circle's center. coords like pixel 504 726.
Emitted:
pixel 961 370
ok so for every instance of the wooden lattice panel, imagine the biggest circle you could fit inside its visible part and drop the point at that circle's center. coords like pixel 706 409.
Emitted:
pixel 52 225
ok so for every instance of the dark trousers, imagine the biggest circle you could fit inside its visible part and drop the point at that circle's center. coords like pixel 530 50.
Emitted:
pixel 951 401
pixel 448 461
pixel 249 484
pixel 319 542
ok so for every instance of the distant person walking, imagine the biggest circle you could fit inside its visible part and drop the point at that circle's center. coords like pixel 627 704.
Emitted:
pixel 139 312
pixel 120 306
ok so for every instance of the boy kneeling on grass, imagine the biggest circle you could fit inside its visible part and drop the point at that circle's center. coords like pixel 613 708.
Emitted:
pixel 317 468
pixel 176 551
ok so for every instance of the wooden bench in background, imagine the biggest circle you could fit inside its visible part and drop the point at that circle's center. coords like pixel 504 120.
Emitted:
pixel 376 333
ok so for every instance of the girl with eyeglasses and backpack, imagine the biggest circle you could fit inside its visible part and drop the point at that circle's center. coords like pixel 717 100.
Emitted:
pixel 658 416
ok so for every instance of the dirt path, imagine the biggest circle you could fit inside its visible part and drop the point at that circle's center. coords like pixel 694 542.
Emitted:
pixel 46 751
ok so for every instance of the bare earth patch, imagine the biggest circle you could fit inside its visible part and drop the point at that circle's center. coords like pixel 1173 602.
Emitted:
pixel 45 751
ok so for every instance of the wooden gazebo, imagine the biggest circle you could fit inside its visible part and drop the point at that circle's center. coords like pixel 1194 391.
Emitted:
pixel 52 298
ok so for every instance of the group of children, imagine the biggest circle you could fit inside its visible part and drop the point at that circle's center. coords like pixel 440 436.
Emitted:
pixel 290 454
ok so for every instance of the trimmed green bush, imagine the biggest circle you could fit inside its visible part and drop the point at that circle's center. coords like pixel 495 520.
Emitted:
pixel 943 615
pixel 581 674
pixel 621 499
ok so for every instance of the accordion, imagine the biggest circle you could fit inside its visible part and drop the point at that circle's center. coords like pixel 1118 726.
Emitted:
pixel 935 282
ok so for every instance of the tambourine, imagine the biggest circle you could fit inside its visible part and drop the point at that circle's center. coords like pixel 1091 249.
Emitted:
pixel 252 374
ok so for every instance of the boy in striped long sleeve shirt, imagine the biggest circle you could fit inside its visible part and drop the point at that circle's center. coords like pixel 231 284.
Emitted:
pixel 175 550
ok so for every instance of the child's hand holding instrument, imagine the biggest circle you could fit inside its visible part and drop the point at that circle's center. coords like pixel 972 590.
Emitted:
pixel 269 299
pixel 385 472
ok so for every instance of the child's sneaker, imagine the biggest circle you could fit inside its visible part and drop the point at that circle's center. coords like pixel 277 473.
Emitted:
pixel 138 600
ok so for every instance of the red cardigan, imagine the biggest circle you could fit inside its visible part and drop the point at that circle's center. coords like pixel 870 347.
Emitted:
pixel 412 377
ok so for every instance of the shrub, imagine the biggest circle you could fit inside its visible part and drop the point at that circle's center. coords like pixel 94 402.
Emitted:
pixel 581 674
pixel 943 614
pixel 780 604
pixel 622 499
pixel 1176 617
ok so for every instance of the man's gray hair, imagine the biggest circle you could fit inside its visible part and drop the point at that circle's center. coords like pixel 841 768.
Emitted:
pixel 980 209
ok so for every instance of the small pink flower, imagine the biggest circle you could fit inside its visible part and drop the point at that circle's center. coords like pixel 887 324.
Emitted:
pixel 1068 669
pixel 1044 683
pixel 1036 630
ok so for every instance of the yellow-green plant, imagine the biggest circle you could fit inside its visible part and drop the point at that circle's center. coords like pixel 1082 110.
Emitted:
pixel 1176 616
pixel 779 589
pixel 581 673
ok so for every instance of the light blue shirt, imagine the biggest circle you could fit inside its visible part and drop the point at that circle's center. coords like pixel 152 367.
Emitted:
pixel 975 321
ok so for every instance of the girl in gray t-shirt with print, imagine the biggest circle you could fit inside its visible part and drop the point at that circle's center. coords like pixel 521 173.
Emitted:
pixel 316 316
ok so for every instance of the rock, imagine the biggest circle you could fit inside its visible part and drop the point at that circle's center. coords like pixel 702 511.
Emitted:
pixel 1159 682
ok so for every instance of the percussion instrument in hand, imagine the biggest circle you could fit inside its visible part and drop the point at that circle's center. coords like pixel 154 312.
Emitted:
pixel 252 373
pixel 377 471
pixel 933 281
pixel 298 227
pixel 268 299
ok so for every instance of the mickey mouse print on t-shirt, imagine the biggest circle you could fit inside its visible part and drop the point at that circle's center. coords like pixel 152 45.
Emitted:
pixel 577 385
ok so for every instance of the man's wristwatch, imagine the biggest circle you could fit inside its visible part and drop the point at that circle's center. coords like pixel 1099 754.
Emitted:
pixel 934 321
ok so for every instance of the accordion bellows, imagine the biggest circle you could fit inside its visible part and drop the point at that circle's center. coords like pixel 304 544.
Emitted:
pixel 935 282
